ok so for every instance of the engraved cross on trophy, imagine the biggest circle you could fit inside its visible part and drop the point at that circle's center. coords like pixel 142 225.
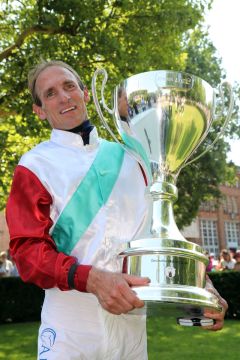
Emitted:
pixel 170 115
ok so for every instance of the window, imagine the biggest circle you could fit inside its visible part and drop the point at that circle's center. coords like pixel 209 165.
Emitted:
pixel 234 205
pixel 209 206
pixel 232 234
pixel 230 205
pixel 208 229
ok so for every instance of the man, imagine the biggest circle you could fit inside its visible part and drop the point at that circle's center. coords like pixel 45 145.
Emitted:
pixel 6 266
pixel 123 104
pixel 70 214
pixel 227 262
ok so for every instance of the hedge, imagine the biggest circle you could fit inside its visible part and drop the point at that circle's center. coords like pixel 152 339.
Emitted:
pixel 21 302
pixel 228 285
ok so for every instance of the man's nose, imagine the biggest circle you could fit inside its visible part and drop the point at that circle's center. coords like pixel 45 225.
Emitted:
pixel 64 96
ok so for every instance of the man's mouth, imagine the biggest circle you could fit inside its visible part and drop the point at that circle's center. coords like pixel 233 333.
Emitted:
pixel 68 109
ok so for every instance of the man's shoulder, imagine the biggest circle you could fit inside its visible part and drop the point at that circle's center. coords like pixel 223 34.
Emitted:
pixel 37 150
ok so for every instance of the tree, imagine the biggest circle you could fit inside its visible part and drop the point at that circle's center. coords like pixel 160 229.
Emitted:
pixel 123 36
pixel 200 181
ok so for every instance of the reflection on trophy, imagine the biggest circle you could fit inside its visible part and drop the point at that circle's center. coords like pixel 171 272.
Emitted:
pixel 169 115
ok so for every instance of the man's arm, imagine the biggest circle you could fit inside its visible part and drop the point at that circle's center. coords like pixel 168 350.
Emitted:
pixel 38 260
pixel 31 246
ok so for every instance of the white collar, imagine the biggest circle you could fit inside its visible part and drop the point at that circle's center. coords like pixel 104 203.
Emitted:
pixel 69 138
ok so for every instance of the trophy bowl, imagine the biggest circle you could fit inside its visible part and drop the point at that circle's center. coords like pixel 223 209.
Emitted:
pixel 162 117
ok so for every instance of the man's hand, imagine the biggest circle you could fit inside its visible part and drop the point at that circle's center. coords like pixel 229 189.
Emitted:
pixel 213 314
pixel 113 290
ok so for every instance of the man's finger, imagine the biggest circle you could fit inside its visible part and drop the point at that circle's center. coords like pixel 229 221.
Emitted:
pixel 136 280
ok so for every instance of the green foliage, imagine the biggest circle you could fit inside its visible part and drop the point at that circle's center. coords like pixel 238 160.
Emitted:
pixel 124 37
pixel 200 181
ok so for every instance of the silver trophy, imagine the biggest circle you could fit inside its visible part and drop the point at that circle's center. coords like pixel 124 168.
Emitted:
pixel 162 117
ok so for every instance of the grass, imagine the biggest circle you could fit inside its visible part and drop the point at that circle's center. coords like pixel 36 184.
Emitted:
pixel 175 342
pixel 166 341
pixel 18 341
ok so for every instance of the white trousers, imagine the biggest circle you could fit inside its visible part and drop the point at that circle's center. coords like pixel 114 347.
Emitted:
pixel 75 327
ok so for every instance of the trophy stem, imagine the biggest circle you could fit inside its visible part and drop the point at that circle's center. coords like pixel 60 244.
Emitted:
pixel 163 225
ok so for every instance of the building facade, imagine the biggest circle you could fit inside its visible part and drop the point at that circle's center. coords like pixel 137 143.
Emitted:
pixel 217 225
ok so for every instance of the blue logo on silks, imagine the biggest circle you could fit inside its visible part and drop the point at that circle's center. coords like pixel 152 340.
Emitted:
pixel 47 337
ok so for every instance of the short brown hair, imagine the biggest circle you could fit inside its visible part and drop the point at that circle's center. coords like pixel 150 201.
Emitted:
pixel 34 73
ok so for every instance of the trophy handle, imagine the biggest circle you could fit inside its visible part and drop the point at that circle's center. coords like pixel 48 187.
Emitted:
pixel 138 155
pixel 98 107
pixel 228 117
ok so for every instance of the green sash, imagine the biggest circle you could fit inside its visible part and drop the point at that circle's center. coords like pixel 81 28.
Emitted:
pixel 91 194
pixel 137 147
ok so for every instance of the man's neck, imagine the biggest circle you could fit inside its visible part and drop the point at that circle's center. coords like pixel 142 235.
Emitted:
pixel 84 130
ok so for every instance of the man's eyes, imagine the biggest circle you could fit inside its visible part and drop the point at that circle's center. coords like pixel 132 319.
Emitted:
pixel 50 94
pixel 70 86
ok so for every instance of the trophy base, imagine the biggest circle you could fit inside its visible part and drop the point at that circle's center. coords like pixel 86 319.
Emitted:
pixel 185 304
pixel 178 299
pixel 186 295
pixel 176 270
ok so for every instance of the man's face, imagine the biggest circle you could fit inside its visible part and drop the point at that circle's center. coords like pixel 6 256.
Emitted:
pixel 226 256
pixel 63 102
pixel 123 104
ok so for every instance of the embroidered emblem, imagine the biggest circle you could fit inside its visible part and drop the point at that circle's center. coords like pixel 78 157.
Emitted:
pixel 47 337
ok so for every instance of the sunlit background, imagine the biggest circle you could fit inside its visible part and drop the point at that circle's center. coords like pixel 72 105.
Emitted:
pixel 224 29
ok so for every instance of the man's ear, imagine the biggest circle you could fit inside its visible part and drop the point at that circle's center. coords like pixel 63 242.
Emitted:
pixel 86 94
pixel 39 111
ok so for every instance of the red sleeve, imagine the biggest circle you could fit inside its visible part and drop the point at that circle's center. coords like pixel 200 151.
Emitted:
pixel 32 248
